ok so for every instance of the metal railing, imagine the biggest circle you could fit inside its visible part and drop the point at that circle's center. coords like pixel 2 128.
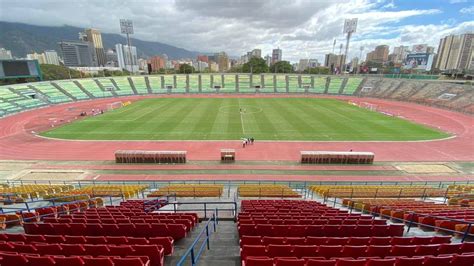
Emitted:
pixel 195 255
pixel 205 208
pixel 411 222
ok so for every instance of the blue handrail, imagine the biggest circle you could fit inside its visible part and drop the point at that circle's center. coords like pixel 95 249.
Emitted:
pixel 190 252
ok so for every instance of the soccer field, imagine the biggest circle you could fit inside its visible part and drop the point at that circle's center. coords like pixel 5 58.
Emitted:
pixel 234 118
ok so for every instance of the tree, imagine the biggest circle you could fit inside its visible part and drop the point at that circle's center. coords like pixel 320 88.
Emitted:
pixel 255 65
pixel 281 67
pixel 317 70
pixel 54 72
pixel 186 69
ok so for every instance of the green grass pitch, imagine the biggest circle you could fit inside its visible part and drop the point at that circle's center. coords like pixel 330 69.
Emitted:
pixel 234 118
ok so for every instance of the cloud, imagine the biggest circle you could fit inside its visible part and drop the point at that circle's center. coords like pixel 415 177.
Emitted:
pixel 302 28
pixel 457 1
pixel 467 10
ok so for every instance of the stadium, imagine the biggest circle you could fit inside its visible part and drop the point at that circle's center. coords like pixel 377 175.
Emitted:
pixel 158 170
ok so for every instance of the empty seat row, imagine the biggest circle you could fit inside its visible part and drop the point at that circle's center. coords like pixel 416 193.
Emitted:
pixel 312 221
pixel 320 230
pixel 447 260
pixel 176 231
pixel 352 241
pixel 147 215
pixel 336 251
pixel 165 242
pixel 13 258
pixel 154 252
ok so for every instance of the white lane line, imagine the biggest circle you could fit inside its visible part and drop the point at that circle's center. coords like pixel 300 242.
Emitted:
pixel 241 118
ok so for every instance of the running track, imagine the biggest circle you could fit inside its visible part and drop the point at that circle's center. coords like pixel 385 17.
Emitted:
pixel 17 142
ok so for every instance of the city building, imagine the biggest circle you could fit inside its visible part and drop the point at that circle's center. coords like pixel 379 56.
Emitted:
pixel 222 61
pixel 77 53
pixel 379 55
pixel 399 54
pixel 51 57
pixel 111 58
pixel 94 37
pixel 334 62
pixel 35 56
pixel 455 52
pixel 5 54
pixel 268 60
pixel 307 63
pixel 213 66
pixel 127 57
pixel 256 53
pixel 200 66
pixel 276 55
pixel 156 63
pixel 203 58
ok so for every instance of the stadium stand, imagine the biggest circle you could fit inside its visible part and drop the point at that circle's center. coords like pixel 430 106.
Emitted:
pixel 71 88
pixel 33 191
pixel 376 191
pixel 189 190
pixel 94 89
pixel 297 243
pixel 140 85
pixel 52 93
pixel 124 191
pixel 283 191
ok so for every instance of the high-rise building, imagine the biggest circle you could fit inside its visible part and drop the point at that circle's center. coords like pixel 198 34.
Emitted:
pixel 256 53
pixel 127 57
pixel 334 62
pixel 77 53
pixel 95 38
pixel 399 54
pixel 222 61
pixel 268 60
pixel 51 57
pixel 111 58
pixel 157 63
pixel 276 55
pixel 5 54
pixel 379 55
pixel 35 56
pixel 455 52
pixel 203 58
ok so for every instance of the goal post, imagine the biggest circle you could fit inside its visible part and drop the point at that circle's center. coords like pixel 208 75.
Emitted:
pixel 116 105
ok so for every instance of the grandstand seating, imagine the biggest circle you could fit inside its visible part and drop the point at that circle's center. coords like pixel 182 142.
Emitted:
pixel 422 212
pixel 32 191
pixel 279 244
pixel 282 191
pixel 126 191
pixel 189 190
pixel 378 191
pixel 13 97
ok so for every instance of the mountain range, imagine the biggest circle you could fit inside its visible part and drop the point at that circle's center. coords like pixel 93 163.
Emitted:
pixel 22 39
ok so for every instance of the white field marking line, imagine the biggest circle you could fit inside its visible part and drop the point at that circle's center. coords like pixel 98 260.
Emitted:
pixel 241 118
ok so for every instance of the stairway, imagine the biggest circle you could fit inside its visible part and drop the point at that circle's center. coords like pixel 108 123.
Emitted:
pixel 224 245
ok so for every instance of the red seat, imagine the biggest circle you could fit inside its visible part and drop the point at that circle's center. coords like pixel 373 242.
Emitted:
pixel 253 250
pixel 93 229
pixel 54 239
pixel 353 251
pixel 274 251
pixel 337 241
pixel 34 238
pixel 358 241
pixel 155 254
pixel 289 262
pixel 77 229
pixel 439 240
pixel 166 242
pixel 295 240
pixel 409 261
pixel 73 250
pixel 436 261
pixel 17 237
pixel 23 248
pixel 250 240
pixel 316 240
pixel 463 260
pixel 96 250
pixel 246 230
pixel 177 231
pixel 128 262
pixel 301 251
pixel 297 231
pixel 116 240
pixel 158 229
pixel 449 248
pixel 408 251
pixel 320 262
pixel 380 241
pixel 401 241
pixel 424 250
pixel 267 240
pixel 378 251
pixel 49 249
pixel 422 240
pixel 75 239
pixel 350 262
pixel 37 261
pixel 137 241
pixel 329 251
pixel 122 250
pixel 88 261
pixel 381 262
pixel 258 261
pixel 142 229
pixel 396 229
pixel 96 240
pixel 315 230
pixel 14 259
pixel 111 230
pixel 467 247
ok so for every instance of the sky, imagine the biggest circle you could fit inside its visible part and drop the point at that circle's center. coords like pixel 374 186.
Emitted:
pixel 301 28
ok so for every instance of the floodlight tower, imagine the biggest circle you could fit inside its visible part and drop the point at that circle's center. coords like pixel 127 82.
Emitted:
pixel 350 26
pixel 126 27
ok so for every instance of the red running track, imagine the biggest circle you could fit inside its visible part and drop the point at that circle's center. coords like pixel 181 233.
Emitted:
pixel 18 142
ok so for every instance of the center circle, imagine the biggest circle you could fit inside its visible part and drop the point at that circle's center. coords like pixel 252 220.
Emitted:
pixel 243 109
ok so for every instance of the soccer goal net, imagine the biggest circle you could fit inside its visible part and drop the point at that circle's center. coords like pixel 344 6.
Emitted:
pixel 114 105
